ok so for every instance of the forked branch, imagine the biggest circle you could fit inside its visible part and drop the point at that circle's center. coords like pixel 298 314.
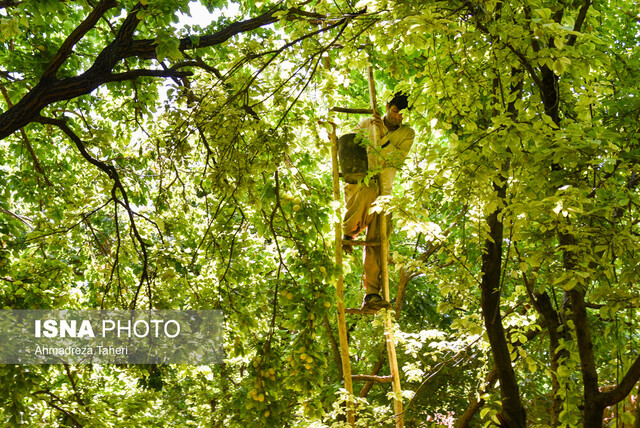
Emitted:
pixel 111 171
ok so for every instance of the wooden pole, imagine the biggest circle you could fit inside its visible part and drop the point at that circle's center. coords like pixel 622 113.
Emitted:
pixel 384 273
pixel 351 110
pixel 342 325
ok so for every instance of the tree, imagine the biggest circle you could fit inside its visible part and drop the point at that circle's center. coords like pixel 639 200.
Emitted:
pixel 518 135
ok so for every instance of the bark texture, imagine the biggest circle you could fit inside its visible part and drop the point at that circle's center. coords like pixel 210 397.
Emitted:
pixel 513 411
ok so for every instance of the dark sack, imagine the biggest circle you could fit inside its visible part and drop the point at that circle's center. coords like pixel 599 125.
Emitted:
pixel 352 157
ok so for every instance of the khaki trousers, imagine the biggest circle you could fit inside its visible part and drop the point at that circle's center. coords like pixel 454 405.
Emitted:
pixel 359 198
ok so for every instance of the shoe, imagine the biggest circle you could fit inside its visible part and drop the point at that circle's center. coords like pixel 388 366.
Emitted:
pixel 374 302
pixel 347 248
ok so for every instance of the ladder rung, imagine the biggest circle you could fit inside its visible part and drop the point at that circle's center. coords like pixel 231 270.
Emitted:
pixel 359 311
pixel 369 243
pixel 371 378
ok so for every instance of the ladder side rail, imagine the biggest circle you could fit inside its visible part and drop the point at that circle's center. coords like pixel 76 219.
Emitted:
pixel 342 326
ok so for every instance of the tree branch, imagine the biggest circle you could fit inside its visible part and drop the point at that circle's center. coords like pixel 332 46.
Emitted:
pixel 49 91
pixel 582 15
pixel 117 185
pixel 69 414
pixel 67 46
pixel 107 169
pixel 625 386
pixel 465 419
pixel 523 60
pixel 146 49
pixel 134 74
pixel 25 138
pixel 23 220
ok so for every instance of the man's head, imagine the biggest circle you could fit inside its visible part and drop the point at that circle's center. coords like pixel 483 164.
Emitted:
pixel 399 102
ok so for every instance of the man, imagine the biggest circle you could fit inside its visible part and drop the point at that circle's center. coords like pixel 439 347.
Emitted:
pixel 394 142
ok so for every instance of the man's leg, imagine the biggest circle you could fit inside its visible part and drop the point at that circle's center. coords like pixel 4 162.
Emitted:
pixel 357 217
pixel 359 199
pixel 373 299
pixel 372 258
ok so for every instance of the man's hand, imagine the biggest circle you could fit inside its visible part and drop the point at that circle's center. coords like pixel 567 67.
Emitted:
pixel 377 121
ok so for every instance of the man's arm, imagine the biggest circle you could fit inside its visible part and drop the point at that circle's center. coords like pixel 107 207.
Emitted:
pixel 394 158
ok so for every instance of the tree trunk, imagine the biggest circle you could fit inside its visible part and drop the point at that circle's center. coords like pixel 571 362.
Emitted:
pixel 513 411
pixel 593 416
pixel 543 305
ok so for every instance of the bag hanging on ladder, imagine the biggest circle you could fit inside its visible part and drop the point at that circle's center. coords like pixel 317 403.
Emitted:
pixel 352 157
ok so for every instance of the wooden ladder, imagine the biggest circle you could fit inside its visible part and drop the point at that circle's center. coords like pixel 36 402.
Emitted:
pixel 342 328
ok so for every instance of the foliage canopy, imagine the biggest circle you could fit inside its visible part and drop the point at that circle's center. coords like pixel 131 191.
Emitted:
pixel 149 163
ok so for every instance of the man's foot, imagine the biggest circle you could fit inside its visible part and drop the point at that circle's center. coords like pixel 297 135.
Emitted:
pixel 374 302
pixel 347 248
